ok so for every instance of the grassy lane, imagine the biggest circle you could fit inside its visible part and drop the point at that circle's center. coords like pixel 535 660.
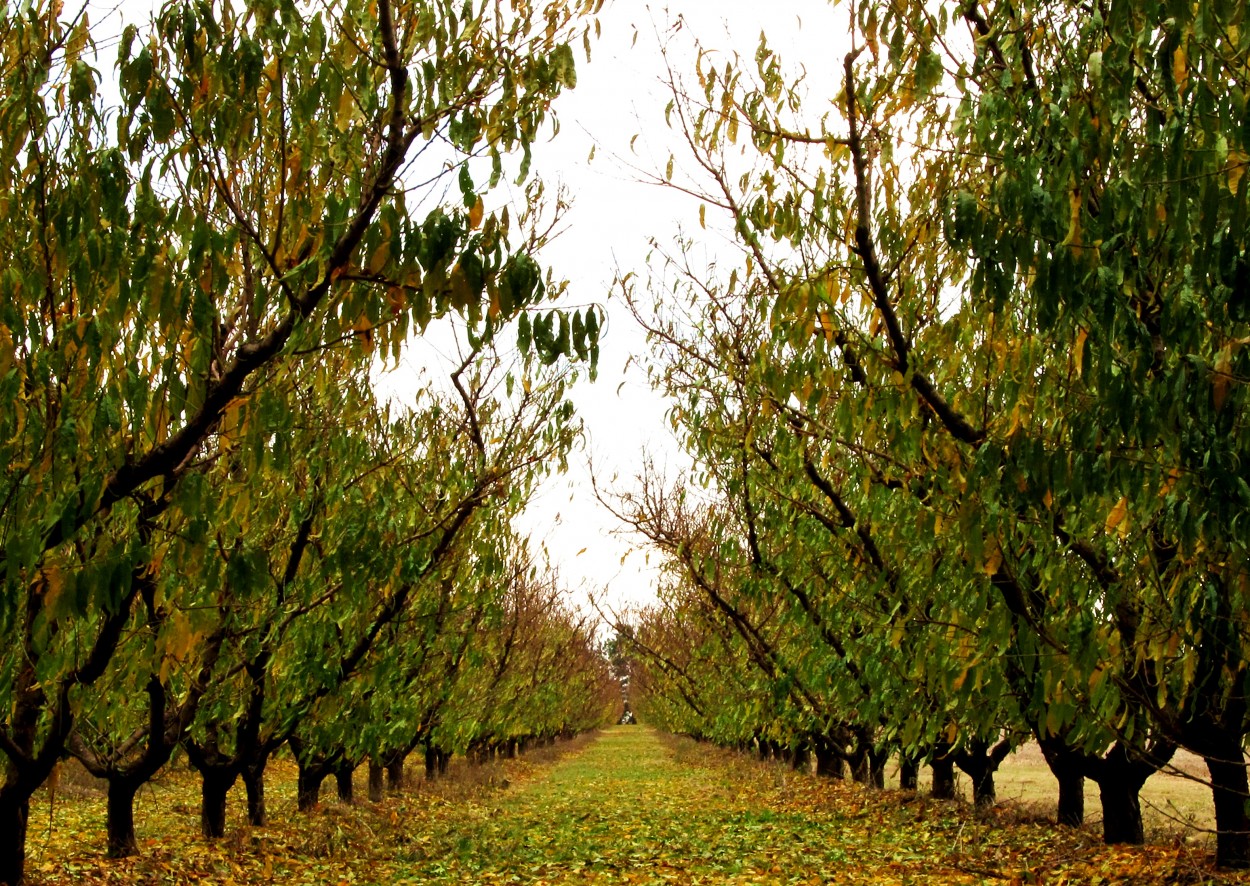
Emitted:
pixel 637 808
pixel 631 806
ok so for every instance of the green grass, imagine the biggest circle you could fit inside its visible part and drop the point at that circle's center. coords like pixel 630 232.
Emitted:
pixel 631 806
pixel 638 807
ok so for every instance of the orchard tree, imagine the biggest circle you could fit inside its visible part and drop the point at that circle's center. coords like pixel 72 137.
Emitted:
pixel 253 196
pixel 1005 273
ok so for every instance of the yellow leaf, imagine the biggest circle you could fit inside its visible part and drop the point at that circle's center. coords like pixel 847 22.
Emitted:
pixel 1170 482
pixel 346 111
pixel 53 586
pixel 77 42
pixel 378 260
pixel 1117 517
pixel 1223 378
pixel 1078 352
pixel 1047 499
pixel 993 560
pixel 476 213
pixel 1075 203
pixel 1237 160
pixel 1180 67
pixel 1015 421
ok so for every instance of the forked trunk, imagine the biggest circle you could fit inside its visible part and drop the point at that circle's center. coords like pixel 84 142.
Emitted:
pixel 1121 810
pixel 1069 770
pixel 395 775
pixel 308 788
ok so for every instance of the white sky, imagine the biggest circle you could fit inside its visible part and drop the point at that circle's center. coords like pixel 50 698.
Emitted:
pixel 620 93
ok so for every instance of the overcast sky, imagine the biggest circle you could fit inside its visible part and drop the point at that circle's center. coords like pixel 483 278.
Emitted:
pixel 620 94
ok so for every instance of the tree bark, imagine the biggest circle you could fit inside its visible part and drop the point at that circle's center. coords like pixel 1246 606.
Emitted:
pixel 1068 767
pixel 308 790
pixel 908 772
pixel 1121 810
pixel 876 768
pixel 396 778
pixel 121 817
pixel 214 788
pixel 943 776
pixel 1071 799
pixel 828 763
pixel 861 767
pixel 343 781
pixel 1230 791
pixel 1120 777
pixel 14 816
pixel 254 783
pixel 376 785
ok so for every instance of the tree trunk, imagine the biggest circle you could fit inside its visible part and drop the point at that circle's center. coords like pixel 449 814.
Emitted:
pixel 431 764
pixel 876 768
pixel 984 794
pixel 121 817
pixel 1230 791
pixel 343 781
pixel 861 766
pixel 1068 768
pixel 14 815
pixel 943 777
pixel 376 773
pixel 1121 810
pixel 444 758
pixel 828 763
pixel 1071 799
pixel 308 790
pixel 1120 777
pixel 802 758
pixel 395 775
pixel 214 787
pixel 908 772
pixel 254 784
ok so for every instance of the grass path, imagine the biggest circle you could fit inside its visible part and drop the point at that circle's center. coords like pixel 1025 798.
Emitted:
pixel 627 810
pixel 637 808
pixel 629 806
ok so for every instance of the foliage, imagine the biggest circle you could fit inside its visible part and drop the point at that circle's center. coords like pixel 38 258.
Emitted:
pixel 206 517
pixel 967 411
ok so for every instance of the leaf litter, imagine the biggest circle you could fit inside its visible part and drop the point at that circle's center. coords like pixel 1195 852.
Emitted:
pixel 632 807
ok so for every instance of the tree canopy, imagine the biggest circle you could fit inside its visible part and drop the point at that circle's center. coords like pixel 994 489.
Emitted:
pixel 208 519
pixel 970 410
